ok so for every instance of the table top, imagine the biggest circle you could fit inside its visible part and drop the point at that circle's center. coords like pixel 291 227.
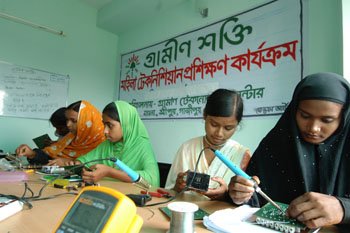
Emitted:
pixel 46 214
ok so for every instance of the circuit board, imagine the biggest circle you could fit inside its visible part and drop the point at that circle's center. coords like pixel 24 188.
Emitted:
pixel 270 216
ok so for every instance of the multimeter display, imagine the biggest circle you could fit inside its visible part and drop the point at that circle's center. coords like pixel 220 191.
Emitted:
pixel 100 209
pixel 89 213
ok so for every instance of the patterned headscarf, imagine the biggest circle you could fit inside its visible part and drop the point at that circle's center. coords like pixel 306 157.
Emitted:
pixel 89 135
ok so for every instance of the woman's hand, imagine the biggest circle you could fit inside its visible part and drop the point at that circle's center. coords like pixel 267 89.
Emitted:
pixel 95 173
pixel 25 150
pixel 59 162
pixel 180 183
pixel 241 189
pixel 219 192
pixel 72 163
pixel 316 210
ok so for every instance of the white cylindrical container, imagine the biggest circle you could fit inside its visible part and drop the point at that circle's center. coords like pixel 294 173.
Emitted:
pixel 182 217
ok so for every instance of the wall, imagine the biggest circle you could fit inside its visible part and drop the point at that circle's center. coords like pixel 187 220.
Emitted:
pixel 87 54
pixel 323 51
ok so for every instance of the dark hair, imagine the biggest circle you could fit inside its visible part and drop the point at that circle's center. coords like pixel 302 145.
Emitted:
pixel 111 111
pixel 224 103
pixel 58 118
pixel 75 106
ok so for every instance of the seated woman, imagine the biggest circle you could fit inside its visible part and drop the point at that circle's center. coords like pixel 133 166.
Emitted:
pixel 304 160
pixel 222 114
pixel 128 141
pixel 84 122
pixel 59 121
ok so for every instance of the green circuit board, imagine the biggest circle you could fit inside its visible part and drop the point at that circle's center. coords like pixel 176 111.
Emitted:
pixel 270 216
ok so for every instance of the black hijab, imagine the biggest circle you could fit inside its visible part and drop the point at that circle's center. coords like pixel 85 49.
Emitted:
pixel 288 166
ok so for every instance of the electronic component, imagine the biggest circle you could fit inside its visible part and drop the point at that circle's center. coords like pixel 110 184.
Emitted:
pixel 199 182
pixel 52 169
pixel 139 199
pixel 101 209
pixel 270 216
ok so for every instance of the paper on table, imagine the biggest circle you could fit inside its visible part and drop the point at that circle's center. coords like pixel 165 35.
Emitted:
pixel 9 207
pixel 234 220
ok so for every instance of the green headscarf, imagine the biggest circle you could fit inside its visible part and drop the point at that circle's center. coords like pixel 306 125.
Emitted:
pixel 135 150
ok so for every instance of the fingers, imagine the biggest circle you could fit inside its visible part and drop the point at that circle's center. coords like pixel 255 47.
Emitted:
pixel 219 180
pixel 25 150
pixel 240 189
pixel 316 210
pixel 87 175
pixel 256 179
pixel 217 193
pixel 72 163
pixel 51 162
pixel 21 150
pixel 180 183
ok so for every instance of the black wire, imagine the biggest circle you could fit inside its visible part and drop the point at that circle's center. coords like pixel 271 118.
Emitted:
pixel 67 172
pixel 26 187
pixel 187 185
pixel 55 195
pixel 26 200
pixel 195 169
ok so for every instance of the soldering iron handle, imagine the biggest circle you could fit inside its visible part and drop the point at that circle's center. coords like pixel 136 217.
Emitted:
pixel 231 165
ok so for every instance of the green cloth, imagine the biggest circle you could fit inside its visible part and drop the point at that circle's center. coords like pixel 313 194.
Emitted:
pixel 135 150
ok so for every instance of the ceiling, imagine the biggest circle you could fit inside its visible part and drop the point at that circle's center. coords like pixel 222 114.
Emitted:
pixel 117 16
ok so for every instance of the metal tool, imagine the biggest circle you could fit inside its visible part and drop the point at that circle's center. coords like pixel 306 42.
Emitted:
pixel 267 198
pixel 158 193
pixel 238 171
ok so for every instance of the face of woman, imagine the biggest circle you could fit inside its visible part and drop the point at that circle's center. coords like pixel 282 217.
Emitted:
pixel 113 129
pixel 317 120
pixel 72 120
pixel 61 130
pixel 219 129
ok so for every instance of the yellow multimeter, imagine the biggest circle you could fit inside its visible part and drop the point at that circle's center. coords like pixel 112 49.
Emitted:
pixel 101 209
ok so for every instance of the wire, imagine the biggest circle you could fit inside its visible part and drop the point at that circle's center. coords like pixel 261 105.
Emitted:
pixel 187 185
pixel 195 170
pixel 55 195
pixel 67 172
pixel 26 187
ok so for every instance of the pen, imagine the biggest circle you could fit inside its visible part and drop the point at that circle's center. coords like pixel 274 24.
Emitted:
pixel 238 171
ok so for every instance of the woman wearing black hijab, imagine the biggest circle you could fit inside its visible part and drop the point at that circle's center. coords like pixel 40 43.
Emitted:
pixel 305 159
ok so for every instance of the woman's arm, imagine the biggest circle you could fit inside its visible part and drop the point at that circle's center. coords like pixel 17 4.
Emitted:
pixel 40 157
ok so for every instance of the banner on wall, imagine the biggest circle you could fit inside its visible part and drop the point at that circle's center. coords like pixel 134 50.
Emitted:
pixel 258 53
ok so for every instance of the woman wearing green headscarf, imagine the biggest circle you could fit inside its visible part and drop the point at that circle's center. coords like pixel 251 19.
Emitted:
pixel 127 141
